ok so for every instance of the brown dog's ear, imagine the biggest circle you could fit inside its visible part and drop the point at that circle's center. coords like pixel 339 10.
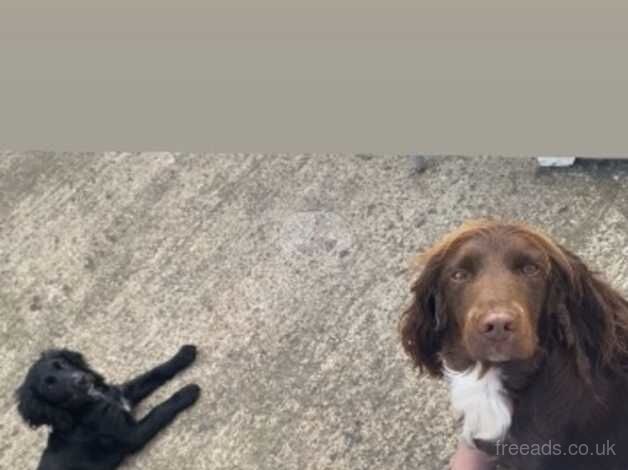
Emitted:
pixel 562 329
pixel 424 322
pixel 590 316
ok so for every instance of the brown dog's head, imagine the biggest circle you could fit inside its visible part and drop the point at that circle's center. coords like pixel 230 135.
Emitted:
pixel 493 292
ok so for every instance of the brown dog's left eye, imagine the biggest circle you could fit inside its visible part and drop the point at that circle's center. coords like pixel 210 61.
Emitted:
pixel 460 275
pixel 530 270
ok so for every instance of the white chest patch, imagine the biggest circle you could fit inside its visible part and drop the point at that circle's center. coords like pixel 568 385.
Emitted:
pixel 482 402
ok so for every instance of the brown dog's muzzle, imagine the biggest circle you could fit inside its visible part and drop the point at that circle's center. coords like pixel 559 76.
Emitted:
pixel 499 332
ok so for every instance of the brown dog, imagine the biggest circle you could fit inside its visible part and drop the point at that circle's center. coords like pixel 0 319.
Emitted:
pixel 534 346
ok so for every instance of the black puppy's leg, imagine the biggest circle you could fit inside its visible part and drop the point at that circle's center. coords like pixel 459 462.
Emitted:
pixel 161 416
pixel 137 389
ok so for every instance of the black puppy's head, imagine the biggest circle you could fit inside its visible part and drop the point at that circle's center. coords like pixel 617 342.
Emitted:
pixel 55 388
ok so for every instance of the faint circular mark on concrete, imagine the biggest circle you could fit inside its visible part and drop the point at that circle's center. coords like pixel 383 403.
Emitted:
pixel 315 234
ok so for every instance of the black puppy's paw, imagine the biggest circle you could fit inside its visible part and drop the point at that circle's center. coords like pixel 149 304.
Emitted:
pixel 188 394
pixel 186 355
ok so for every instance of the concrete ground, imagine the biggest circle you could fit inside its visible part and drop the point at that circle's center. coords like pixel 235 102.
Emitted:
pixel 289 273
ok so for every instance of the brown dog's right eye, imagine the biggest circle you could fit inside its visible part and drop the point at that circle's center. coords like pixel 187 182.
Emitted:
pixel 460 275
pixel 530 270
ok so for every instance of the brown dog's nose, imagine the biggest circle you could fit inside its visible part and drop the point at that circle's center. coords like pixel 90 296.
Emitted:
pixel 497 326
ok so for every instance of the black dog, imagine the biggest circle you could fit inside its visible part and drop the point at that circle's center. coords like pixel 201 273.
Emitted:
pixel 92 425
